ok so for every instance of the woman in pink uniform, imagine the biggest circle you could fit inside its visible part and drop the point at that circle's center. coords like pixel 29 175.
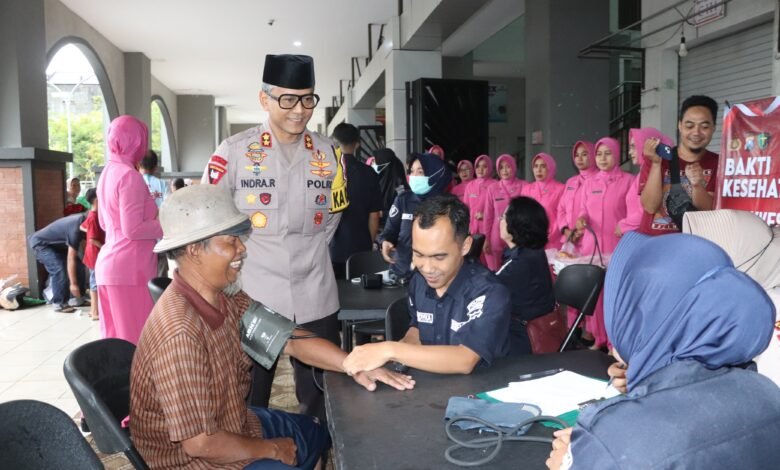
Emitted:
pixel 547 191
pixel 476 193
pixel 128 214
pixel 466 175
pixel 603 204
pixel 584 159
pixel 634 209
pixel 498 197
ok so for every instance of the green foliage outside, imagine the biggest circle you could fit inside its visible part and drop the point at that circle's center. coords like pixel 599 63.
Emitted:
pixel 86 136
pixel 156 130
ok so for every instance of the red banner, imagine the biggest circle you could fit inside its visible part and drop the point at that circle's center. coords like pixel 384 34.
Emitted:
pixel 749 167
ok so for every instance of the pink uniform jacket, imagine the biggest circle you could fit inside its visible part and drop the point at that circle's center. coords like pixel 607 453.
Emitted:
pixel 126 210
pixel 498 197
pixel 476 193
pixel 460 189
pixel 569 205
pixel 128 215
pixel 634 209
pixel 603 202
pixel 548 193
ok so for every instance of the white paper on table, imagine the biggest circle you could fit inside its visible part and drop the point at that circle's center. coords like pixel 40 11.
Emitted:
pixel 556 394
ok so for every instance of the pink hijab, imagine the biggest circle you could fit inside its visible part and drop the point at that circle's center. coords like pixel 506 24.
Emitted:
pixel 548 193
pixel 634 209
pixel 128 140
pixel 591 169
pixel 614 146
pixel 498 197
pixel 460 188
pixel 476 193
pixel 568 206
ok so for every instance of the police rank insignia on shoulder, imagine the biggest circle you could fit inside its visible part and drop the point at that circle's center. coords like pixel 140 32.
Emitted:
pixel 265 139
pixel 307 142
pixel 338 189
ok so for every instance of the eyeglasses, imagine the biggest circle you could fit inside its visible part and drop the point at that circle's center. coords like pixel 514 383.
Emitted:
pixel 289 101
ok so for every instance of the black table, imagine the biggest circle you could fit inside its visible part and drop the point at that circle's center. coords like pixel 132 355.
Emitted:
pixel 359 304
pixel 388 429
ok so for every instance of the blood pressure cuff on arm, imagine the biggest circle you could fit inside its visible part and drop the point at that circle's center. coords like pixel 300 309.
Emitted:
pixel 264 334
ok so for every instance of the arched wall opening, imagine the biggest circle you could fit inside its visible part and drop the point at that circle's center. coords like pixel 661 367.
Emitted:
pixel 162 135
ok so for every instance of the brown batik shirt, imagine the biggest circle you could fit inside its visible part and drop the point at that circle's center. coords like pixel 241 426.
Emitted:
pixel 189 376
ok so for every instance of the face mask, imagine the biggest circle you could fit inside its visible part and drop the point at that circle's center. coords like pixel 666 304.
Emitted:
pixel 419 185
pixel 375 167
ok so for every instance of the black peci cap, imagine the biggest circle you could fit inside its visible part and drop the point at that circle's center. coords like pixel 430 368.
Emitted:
pixel 289 71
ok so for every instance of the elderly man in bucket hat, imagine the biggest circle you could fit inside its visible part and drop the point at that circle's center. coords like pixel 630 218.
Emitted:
pixel 190 377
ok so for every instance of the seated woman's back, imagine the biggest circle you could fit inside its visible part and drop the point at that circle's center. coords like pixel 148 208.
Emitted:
pixel 683 323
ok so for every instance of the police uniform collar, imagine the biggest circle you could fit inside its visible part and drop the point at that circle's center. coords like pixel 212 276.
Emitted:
pixel 464 274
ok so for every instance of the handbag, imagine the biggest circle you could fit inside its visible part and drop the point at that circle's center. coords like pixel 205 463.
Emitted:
pixel 678 201
pixel 546 332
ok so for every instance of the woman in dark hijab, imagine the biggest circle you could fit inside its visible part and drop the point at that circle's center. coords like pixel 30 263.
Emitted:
pixel 428 177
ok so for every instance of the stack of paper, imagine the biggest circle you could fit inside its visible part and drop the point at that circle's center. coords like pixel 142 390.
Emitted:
pixel 555 394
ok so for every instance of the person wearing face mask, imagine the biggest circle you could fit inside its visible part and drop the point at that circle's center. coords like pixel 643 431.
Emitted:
pixel 602 205
pixel 684 334
pixel 634 209
pixel 584 159
pixel 496 202
pixel 428 177
pixel 466 175
pixel 698 166
pixel 476 193
pixel 548 192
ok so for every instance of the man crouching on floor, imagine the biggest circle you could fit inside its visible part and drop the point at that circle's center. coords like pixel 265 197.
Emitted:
pixel 190 377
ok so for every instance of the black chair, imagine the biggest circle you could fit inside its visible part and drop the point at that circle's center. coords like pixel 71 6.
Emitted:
pixel 99 376
pixel 366 262
pixel 397 320
pixel 157 286
pixel 37 435
pixel 477 243
pixel 579 286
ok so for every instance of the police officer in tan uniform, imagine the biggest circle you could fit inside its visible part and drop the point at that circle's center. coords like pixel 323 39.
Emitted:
pixel 290 182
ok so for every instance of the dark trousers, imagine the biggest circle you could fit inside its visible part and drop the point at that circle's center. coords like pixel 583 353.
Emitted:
pixel 311 439
pixel 55 262
pixel 309 395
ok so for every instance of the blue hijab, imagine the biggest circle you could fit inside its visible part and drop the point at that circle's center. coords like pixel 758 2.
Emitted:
pixel 677 297
pixel 439 175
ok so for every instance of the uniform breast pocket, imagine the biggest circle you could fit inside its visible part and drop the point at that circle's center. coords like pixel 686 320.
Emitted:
pixel 262 207
pixel 316 205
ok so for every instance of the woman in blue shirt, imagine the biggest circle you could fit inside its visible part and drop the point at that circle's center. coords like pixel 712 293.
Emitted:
pixel 684 320
pixel 525 271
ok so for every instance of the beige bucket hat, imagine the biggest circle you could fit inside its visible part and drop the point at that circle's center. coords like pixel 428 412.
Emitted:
pixel 753 246
pixel 199 212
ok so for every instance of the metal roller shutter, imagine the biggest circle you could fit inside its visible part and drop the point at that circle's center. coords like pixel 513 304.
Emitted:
pixel 736 68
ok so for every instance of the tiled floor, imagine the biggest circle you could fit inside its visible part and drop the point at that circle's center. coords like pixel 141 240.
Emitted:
pixel 33 345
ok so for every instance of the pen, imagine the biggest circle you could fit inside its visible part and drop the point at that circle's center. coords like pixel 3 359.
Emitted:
pixel 539 375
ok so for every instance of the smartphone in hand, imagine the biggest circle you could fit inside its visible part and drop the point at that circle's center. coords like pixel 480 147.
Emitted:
pixel 664 151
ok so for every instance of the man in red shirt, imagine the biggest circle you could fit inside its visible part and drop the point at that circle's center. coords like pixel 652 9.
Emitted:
pixel 698 166
pixel 95 239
